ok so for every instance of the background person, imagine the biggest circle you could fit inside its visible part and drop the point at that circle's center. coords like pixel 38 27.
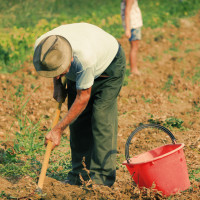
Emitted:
pixel 94 64
pixel 132 22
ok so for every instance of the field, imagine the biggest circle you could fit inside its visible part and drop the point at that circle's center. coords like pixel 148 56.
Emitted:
pixel 167 93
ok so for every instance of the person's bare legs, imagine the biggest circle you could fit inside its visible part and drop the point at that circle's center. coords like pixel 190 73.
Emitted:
pixel 133 57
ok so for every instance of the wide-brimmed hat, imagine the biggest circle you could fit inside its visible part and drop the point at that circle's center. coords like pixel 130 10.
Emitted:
pixel 52 56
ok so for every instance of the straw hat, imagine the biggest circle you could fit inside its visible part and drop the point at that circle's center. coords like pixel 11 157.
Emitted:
pixel 52 56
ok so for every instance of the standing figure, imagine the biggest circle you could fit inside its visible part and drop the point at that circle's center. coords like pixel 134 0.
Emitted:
pixel 132 22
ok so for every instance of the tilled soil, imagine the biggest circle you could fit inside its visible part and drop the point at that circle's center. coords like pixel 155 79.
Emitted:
pixel 169 59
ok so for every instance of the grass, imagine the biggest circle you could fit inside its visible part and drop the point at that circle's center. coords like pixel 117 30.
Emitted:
pixel 193 175
pixel 23 21
pixel 151 58
pixel 24 155
pixel 196 76
pixel 169 83
pixel 146 100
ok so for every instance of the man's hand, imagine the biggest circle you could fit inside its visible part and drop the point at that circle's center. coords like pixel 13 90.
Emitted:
pixel 55 136
pixel 60 92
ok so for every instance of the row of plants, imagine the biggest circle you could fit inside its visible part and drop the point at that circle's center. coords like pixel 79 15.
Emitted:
pixel 23 21
pixel 24 156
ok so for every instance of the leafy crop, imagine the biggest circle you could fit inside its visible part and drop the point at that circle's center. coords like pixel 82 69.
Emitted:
pixel 24 21
pixel 171 122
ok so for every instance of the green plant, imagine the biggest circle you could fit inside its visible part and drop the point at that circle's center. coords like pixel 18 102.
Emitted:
pixel 19 91
pixel 196 105
pixel 159 37
pixel 151 58
pixel 169 83
pixel 161 12
pixel 21 158
pixel 196 76
pixel 173 122
pixel 153 121
pixel 189 50
pixel 193 174
pixel 146 100
pixel 172 99
pixel 3 195
pixel 175 43
pixel 27 22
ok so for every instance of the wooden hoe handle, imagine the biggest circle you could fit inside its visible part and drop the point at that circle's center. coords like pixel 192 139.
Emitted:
pixel 48 148
pixel 48 152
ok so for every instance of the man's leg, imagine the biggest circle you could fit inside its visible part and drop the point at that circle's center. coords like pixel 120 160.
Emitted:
pixel 104 121
pixel 81 140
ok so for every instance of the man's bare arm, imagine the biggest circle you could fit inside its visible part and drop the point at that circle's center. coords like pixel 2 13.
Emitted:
pixel 79 105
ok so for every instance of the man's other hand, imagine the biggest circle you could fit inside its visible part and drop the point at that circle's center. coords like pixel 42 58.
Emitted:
pixel 60 92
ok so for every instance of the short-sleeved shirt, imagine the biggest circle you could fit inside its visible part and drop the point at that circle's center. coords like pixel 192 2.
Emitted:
pixel 93 51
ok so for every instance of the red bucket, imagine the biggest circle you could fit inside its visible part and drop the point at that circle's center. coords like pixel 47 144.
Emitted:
pixel 165 167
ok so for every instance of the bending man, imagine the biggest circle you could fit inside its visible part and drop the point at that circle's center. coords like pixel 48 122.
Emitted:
pixel 94 64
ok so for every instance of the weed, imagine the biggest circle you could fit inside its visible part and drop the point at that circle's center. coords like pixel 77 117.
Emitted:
pixel 196 105
pixel 146 100
pixel 119 159
pixel 154 121
pixel 59 166
pixel 172 99
pixel 6 196
pixel 158 37
pixel 193 174
pixel 21 158
pixel 196 77
pixel 4 55
pixel 171 122
pixel 175 43
pixel 20 90
pixel 189 50
pixel 182 73
pixel 151 58
pixel 179 59
pixel 169 83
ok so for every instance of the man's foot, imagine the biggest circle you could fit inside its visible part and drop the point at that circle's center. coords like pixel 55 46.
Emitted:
pixel 72 182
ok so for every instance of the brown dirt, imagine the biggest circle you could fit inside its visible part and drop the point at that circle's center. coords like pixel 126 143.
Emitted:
pixel 143 97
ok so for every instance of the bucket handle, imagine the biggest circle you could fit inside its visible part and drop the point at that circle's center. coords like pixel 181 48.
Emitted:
pixel 143 127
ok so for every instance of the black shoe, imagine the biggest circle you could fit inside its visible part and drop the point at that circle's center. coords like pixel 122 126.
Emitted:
pixel 72 182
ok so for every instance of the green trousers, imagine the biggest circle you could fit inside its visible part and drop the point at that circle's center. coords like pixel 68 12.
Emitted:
pixel 93 136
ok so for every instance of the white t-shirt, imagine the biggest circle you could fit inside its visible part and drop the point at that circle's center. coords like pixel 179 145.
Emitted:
pixel 135 15
pixel 93 51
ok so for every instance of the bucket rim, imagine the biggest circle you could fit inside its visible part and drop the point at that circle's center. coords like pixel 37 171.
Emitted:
pixel 181 145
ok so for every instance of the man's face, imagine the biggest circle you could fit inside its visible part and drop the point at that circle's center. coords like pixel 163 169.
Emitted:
pixel 66 71
pixel 61 75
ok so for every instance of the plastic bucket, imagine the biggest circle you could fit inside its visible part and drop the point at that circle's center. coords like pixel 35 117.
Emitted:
pixel 165 166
